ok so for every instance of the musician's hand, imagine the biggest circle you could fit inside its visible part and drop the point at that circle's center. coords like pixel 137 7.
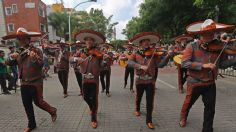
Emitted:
pixel 209 66
pixel 32 55
pixel 14 55
pixel 105 56
pixel 170 53
pixel 144 68
pixel 79 60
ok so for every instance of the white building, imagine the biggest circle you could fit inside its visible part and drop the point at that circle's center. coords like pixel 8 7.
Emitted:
pixel 51 31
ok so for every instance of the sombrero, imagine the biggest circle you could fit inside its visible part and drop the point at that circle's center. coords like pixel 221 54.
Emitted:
pixel 208 26
pixel 22 33
pixel 107 46
pixel 154 37
pixel 83 34
pixel 78 44
pixel 182 37
pixel 127 46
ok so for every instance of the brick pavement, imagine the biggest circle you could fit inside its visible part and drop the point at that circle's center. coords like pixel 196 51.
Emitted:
pixel 115 114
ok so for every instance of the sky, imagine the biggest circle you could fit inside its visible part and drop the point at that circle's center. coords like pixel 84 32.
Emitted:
pixel 122 10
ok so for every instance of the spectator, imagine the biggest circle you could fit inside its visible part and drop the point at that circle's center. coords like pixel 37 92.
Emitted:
pixel 13 69
pixel 3 71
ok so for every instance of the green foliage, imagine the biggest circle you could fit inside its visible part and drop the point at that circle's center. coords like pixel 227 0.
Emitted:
pixel 170 17
pixel 118 43
pixel 95 20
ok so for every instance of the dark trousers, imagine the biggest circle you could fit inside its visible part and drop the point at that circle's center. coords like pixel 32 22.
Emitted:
pixel 208 93
pixel 156 74
pixel 182 76
pixel 3 82
pixel 150 92
pixel 34 94
pixel 107 74
pixel 63 78
pixel 129 71
pixel 15 77
pixel 10 80
pixel 90 91
pixel 79 79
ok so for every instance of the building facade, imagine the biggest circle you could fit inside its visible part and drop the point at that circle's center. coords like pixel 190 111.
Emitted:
pixel 29 14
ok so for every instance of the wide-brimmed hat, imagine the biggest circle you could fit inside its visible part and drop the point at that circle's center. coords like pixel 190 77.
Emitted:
pixel 107 46
pixel 129 46
pixel 186 37
pixel 78 44
pixel 22 33
pixel 154 37
pixel 87 33
pixel 208 26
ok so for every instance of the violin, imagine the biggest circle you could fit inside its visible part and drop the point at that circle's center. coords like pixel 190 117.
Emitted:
pixel 217 46
pixel 93 51
pixel 155 51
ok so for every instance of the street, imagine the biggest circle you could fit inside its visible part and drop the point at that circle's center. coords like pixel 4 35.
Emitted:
pixel 116 114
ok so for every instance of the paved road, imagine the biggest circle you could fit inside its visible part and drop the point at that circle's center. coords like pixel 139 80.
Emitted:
pixel 116 114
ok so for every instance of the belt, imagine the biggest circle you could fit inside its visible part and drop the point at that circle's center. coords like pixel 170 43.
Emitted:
pixel 88 76
pixel 146 77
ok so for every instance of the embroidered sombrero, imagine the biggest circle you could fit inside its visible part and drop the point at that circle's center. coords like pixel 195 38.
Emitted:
pixel 154 37
pixel 186 37
pixel 22 33
pixel 208 26
pixel 107 46
pixel 87 33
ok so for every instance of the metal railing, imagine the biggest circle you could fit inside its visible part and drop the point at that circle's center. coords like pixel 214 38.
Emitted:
pixel 228 72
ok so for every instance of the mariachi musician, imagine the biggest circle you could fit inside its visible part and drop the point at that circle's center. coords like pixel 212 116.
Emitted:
pixel 91 61
pixel 30 65
pixel 202 59
pixel 145 61
pixel 63 67
pixel 78 75
pixel 106 70
pixel 129 71
pixel 180 44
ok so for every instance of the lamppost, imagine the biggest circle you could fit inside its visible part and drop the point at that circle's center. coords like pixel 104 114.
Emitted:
pixel 69 21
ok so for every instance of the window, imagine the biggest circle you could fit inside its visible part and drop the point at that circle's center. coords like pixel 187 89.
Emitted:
pixel 8 10
pixel 42 28
pixel 41 11
pixel 10 27
pixel 14 8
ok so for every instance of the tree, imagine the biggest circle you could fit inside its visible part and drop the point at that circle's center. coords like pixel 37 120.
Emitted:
pixel 59 21
pixel 170 17
pixel 118 43
pixel 220 10
pixel 95 20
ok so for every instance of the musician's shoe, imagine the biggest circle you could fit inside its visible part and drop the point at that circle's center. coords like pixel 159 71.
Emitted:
pixel 94 124
pixel 150 125
pixel 182 122
pixel 125 85
pixel 54 115
pixel 181 91
pixel 131 90
pixel 65 95
pixel 137 113
pixel 28 129
pixel 102 91
pixel 108 94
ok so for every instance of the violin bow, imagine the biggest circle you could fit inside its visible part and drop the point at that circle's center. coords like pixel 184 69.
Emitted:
pixel 225 46
pixel 152 55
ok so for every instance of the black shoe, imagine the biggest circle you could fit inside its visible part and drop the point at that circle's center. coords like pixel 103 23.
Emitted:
pixel 131 90
pixel 125 85
pixel 6 92
pixel 102 91
pixel 108 94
